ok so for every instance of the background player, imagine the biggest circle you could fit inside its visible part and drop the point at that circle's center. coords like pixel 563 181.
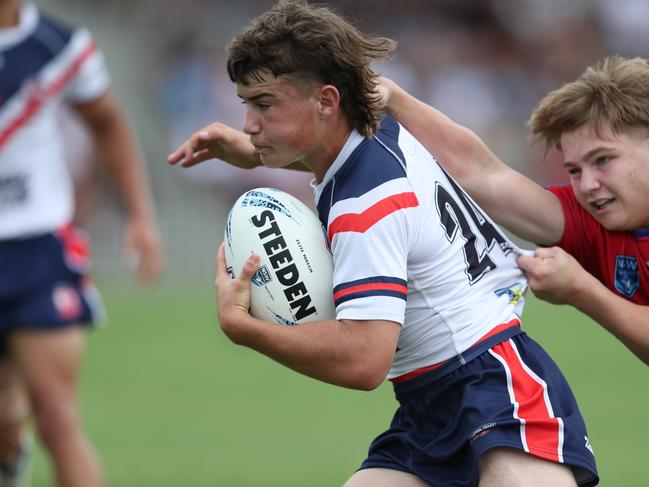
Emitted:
pixel 398 227
pixel 600 223
pixel 45 293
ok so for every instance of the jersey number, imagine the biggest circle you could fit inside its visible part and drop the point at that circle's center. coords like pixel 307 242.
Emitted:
pixel 454 215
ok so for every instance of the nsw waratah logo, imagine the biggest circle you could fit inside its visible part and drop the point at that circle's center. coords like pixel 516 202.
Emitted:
pixel 627 275
pixel 262 276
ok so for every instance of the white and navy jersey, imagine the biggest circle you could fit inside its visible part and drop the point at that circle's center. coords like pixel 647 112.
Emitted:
pixel 410 246
pixel 42 64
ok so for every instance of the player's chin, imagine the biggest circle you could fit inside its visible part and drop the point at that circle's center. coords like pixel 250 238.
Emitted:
pixel 614 222
pixel 274 160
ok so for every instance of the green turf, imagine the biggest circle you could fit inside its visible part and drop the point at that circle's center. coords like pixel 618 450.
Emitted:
pixel 169 402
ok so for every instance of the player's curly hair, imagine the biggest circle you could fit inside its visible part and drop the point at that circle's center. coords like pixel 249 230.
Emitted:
pixel 614 92
pixel 312 43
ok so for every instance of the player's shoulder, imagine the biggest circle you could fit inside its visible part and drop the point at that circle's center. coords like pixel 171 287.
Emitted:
pixel 572 209
pixel 375 161
pixel 43 36
pixel 562 191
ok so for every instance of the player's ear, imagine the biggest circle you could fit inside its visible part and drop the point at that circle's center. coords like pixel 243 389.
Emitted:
pixel 329 100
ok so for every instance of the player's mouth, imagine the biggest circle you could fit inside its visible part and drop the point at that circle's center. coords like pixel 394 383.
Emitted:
pixel 260 148
pixel 601 204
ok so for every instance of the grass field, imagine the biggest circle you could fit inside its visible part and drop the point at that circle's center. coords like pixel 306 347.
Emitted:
pixel 169 402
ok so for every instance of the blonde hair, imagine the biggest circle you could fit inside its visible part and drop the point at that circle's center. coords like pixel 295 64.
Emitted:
pixel 614 92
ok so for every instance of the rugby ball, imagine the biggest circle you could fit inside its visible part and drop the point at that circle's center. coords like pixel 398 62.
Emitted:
pixel 294 282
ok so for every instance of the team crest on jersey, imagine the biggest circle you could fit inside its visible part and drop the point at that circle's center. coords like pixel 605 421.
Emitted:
pixel 627 275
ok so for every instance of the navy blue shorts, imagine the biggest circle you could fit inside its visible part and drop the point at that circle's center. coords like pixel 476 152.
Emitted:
pixel 512 395
pixel 44 283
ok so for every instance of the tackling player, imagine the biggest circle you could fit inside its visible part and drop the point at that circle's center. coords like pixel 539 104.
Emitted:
pixel 45 292
pixel 600 222
pixel 426 287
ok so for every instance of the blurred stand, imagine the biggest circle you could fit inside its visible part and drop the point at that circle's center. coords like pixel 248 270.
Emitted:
pixel 485 63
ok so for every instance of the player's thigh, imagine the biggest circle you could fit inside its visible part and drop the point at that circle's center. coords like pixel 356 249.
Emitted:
pixel 384 477
pixel 509 467
pixel 48 361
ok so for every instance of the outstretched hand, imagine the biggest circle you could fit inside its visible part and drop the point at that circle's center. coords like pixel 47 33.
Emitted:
pixel 143 250
pixel 553 274
pixel 233 295
pixel 216 141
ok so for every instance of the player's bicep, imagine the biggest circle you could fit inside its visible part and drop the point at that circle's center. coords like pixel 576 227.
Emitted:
pixel 522 206
pixel 101 113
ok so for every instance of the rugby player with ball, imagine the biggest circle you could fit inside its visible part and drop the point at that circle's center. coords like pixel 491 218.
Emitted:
pixel 426 289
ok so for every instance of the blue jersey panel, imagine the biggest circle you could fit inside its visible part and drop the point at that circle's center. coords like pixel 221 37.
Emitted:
pixel 366 168
pixel 24 60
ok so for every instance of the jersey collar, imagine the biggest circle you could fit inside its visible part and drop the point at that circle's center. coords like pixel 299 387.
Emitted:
pixel 353 141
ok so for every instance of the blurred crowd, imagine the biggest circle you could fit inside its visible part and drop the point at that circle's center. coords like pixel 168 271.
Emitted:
pixel 485 63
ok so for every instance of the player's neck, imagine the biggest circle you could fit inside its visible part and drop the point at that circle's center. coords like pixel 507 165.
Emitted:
pixel 334 142
pixel 9 13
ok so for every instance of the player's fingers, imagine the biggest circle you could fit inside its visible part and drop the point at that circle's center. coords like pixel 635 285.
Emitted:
pixel 151 266
pixel 174 157
pixel 249 268
pixel 206 135
pixel 180 153
pixel 221 266
pixel 185 153
pixel 197 157
pixel 527 262
pixel 546 252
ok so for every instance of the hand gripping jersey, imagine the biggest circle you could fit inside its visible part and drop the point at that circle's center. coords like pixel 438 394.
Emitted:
pixel 42 64
pixel 410 246
pixel 620 260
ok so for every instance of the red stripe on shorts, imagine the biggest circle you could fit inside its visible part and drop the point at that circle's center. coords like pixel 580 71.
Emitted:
pixel 541 432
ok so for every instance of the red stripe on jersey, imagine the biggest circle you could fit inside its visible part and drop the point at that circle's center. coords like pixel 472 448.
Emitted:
pixel 361 222
pixel 540 430
pixel 36 99
pixel 382 286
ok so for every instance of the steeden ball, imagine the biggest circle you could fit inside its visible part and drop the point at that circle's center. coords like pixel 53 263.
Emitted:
pixel 294 282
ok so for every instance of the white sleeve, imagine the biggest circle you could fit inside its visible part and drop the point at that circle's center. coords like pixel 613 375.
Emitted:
pixel 370 240
pixel 89 74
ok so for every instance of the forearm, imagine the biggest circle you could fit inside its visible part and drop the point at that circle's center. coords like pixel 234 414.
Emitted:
pixel 119 154
pixel 336 352
pixel 629 322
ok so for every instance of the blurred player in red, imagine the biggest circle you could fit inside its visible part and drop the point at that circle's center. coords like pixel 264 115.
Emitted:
pixel 46 295
pixel 595 231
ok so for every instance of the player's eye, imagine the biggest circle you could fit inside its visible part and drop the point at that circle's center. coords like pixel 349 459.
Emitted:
pixel 601 160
